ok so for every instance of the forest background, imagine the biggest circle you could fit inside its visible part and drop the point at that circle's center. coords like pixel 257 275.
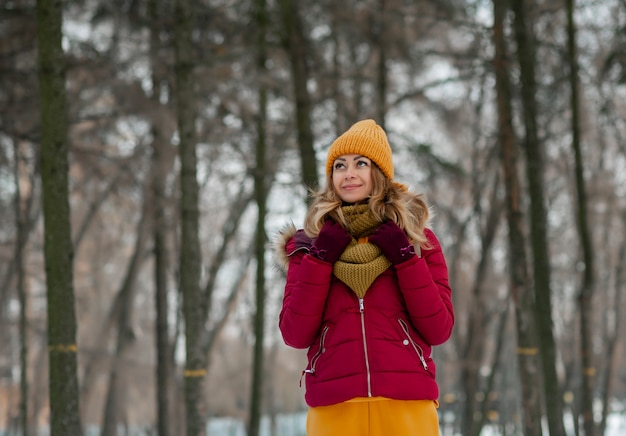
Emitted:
pixel 192 130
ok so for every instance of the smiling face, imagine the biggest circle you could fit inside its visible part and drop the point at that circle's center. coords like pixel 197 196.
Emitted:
pixel 352 177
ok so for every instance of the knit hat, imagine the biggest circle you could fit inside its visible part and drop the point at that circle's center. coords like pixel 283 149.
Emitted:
pixel 365 138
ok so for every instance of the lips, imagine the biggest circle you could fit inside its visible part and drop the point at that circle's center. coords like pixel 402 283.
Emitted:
pixel 351 187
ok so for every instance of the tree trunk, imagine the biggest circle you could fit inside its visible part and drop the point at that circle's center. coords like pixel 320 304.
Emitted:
pixel 190 261
pixel 381 86
pixel 538 219
pixel 585 296
pixel 295 43
pixel 527 356
pixel 163 367
pixel 58 250
pixel 161 165
pixel 20 242
pixel 260 193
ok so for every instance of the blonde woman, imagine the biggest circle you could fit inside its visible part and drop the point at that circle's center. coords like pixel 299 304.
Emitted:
pixel 367 294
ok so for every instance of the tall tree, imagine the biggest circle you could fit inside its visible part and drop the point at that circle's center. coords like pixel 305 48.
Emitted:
pixel 190 261
pixel 585 295
pixel 296 44
pixel 381 78
pixel 260 194
pixel 524 36
pixel 58 249
pixel 521 292
pixel 161 164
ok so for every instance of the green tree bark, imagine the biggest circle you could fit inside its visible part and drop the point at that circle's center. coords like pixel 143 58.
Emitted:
pixel 527 351
pixel 58 249
pixel 538 218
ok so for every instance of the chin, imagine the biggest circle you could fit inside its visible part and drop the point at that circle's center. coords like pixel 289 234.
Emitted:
pixel 354 200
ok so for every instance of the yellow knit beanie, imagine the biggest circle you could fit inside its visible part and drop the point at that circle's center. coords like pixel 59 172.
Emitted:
pixel 365 138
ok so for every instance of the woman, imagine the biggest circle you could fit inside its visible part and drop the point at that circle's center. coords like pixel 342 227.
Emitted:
pixel 367 293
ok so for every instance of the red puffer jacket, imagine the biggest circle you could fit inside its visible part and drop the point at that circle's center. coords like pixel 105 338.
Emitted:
pixel 376 346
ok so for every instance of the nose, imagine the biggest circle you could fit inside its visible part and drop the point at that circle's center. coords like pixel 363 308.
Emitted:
pixel 350 173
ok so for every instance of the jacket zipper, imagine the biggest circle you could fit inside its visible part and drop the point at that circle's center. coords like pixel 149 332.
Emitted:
pixel 419 350
pixel 367 361
pixel 315 358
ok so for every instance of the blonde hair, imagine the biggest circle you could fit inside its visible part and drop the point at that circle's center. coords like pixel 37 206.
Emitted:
pixel 389 201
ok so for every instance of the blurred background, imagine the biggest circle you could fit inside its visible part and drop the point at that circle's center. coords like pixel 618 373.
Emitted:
pixel 509 116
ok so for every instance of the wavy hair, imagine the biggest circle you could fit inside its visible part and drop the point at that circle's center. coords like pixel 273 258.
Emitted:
pixel 389 201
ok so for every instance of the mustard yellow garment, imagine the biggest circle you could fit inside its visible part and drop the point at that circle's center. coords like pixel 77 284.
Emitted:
pixel 374 417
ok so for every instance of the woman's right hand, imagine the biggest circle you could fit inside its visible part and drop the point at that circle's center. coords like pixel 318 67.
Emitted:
pixel 331 242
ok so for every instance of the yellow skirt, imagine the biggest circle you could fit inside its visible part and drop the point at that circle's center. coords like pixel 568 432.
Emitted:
pixel 374 417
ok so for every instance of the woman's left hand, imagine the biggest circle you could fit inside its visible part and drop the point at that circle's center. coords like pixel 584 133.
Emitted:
pixel 393 242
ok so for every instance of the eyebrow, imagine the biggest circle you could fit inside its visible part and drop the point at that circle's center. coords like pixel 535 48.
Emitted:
pixel 356 158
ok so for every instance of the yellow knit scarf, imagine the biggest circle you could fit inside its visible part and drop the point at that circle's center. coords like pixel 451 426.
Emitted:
pixel 362 261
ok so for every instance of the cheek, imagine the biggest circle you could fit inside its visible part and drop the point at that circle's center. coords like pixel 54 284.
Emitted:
pixel 336 182
pixel 368 180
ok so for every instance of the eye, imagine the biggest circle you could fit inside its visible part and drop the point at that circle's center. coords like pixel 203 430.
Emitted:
pixel 339 165
pixel 362 163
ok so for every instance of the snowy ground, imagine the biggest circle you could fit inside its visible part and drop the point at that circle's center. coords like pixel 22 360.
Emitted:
pixel 294 425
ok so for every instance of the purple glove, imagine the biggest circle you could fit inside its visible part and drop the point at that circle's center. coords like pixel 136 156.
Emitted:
pixel 330 242
pixel 302 240
pixel 393 242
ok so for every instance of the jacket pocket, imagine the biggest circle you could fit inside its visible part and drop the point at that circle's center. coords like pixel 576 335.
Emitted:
pixel 313 362
pixel 409 341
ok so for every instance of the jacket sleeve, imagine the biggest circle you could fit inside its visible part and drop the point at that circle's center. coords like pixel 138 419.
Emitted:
pixel 306 289
pixel 424 284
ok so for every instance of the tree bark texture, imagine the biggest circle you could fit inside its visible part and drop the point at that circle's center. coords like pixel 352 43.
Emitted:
pixel 161 165
pixel 381 88
pixel 585 295
pixel 521 293
pixel 260 194
pixel 58 249
pixel 524 37
pixel 295 43
pixel 195 372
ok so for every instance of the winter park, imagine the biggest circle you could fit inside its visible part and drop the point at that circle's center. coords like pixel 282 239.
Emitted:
pixel 290 218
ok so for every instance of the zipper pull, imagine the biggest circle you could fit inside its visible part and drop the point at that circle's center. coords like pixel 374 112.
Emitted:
pixel 424 364
pixel 361 305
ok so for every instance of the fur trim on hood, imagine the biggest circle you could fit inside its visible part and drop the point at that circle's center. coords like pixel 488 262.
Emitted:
pixel 282 238
pixel 287 242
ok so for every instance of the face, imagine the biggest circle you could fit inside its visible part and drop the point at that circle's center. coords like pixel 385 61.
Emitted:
pixel 352 177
